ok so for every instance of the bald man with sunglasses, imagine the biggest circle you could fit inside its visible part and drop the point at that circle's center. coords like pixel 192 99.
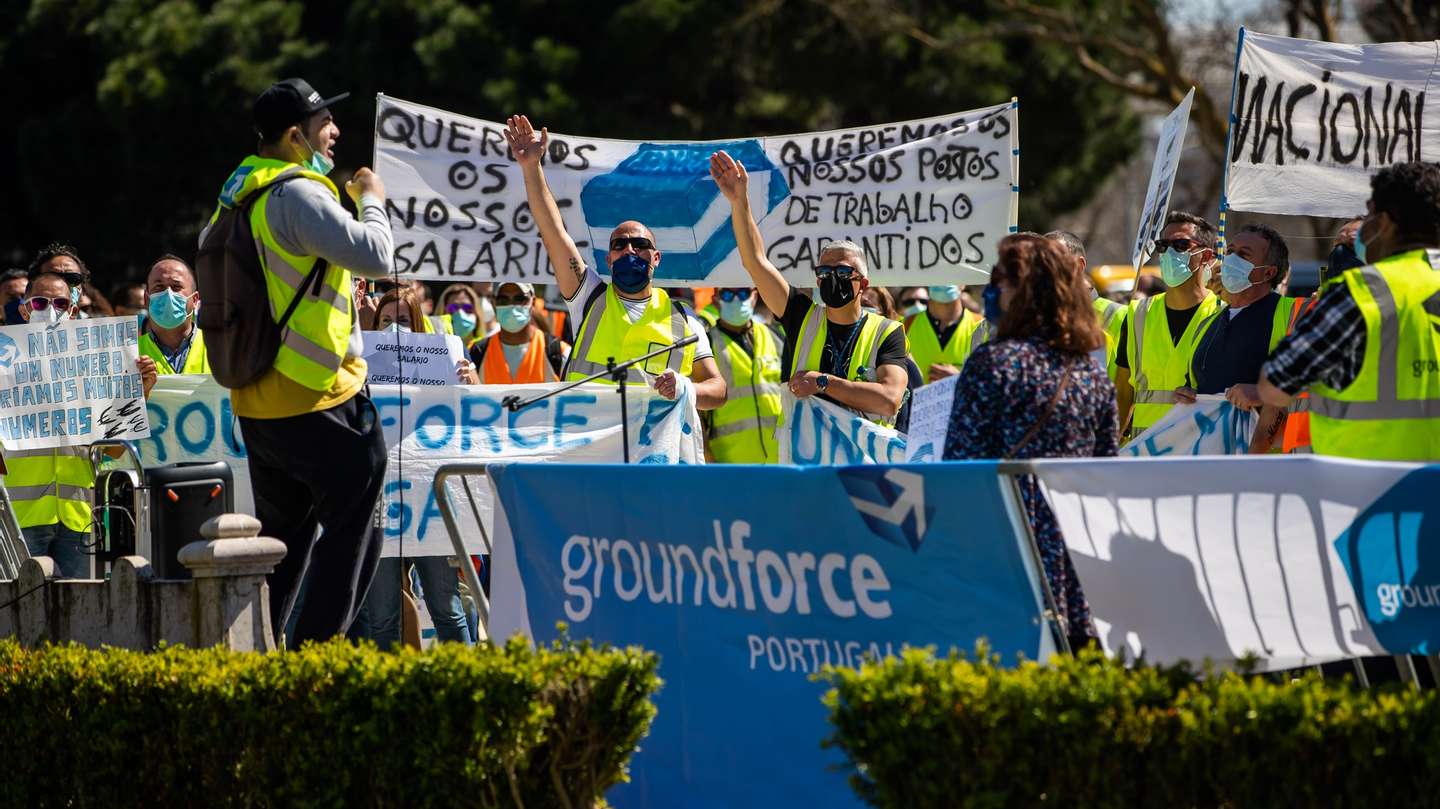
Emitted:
pixel 628 316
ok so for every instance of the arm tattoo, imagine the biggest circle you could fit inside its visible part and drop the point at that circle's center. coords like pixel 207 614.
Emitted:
pixel 577 268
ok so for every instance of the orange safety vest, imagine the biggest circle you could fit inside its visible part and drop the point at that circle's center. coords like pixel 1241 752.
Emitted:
pixel 1297 421
pixel 535 367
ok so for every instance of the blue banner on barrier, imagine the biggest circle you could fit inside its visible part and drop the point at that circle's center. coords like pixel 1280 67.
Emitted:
pixel 747 579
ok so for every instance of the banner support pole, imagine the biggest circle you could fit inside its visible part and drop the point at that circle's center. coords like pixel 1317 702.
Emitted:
pixel 1010 471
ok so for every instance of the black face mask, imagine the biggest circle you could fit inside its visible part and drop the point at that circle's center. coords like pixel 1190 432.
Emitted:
pixel 835 293
pixel 1342 258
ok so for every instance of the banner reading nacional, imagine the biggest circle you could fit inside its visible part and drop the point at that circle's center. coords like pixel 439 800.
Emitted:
pixel 815 432
pixel 1312 121
pixel 745 595
pixel 1296 559
pixel 428 427
pixel 71 383
pixel 927 199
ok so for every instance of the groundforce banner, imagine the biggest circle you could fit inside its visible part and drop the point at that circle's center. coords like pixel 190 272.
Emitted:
pixel 927 199
pixel 1296 560
pixel 428 427
pixel 746 580
pixel 1311 121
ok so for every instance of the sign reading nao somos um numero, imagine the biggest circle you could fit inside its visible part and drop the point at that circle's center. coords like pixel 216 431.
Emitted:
pixel 1311 121
pixel 70 383
pixel 926 199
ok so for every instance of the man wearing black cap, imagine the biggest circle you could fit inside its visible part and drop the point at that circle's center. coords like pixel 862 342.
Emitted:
pixel 315 448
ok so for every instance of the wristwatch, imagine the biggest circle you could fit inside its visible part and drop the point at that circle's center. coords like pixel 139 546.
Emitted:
pixel 822 382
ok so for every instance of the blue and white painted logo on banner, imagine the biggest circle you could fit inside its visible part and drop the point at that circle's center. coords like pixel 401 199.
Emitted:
pixel 746 580
pixel 668 187
pixel 1391 552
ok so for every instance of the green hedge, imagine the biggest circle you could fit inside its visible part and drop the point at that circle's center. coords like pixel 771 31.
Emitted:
pixel 331 725
pixel 1087 732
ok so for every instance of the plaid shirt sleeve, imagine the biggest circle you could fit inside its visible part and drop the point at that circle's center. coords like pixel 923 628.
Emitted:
pixel 1327 346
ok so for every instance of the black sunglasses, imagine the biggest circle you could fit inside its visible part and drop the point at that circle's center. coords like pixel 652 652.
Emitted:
pixel 637 242
pixel 1181 245
pixel 908 302
pixel 512 300
pixel 728 295
pixel 842 271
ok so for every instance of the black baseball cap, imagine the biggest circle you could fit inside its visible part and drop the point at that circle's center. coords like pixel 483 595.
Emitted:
pixel 287 103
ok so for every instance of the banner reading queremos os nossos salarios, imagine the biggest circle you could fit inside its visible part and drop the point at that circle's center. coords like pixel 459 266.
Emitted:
pixel 745 580
pixel 428 427
pixel 1297 559
pixel 927 199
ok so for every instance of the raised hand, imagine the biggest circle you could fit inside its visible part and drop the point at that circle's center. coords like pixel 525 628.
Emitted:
pixel 729 175
pixel 527 144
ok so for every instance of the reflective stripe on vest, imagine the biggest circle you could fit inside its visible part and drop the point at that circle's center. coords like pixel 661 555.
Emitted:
pixel 863 357
pixel 1155 381
pixel 743 429
pixel 1400 300
pixel 196 362
pixel 317 337
pixel 534 365
pixel 605 332
pixel 50 486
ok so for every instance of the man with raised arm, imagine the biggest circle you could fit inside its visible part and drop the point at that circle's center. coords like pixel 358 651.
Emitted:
pixel 855 359
pixel 628 317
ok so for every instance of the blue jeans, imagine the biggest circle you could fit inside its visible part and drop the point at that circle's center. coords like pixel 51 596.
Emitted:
pixel 379 617
pixel 65 546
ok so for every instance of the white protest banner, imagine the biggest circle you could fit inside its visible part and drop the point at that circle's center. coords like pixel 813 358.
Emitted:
pixel 71 383
pixel 427 427
pixel 1162 179
pixel 817 433
pixel 1210 426
pixel 1297 559
pixel 927 199
pixel 412 358
pixel 929 419
pixel 1312 121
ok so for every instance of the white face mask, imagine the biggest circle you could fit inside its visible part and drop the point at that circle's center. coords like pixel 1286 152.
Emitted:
pixel 397 328
pixel 50 315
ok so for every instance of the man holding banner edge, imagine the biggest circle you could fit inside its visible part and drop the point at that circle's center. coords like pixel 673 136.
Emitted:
pixel 865 352
pixel 622 318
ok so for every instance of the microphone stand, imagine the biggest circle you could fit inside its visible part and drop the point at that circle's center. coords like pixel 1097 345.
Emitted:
pixel 616 372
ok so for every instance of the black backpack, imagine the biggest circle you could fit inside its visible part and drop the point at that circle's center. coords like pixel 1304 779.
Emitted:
pixel 241 338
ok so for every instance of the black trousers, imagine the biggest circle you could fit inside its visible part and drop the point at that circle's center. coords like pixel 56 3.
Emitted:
pixel 324 469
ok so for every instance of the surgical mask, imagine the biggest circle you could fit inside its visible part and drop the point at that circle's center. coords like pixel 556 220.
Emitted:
pixel 1360 245
pixel 835 293
pixel 991 301
pixel 513 318
pixel 737 312
pixel 317 161
pixel 168 309
pixel 630 273
pixel 397 328
pixel 1235 274
pixel 913 309
pixel 1175 267
pixel 870 310
pixel 462 322
pixel 945 294
pixel 50 315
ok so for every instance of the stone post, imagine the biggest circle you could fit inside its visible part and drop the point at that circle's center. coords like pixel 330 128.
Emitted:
pixel 231 601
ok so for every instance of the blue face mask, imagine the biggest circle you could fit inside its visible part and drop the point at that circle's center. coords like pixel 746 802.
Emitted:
pixel 317 161
pixel 946 294
pixel 630 273
pixel 737 312
pixel 513 318
pixel 463 322
pixel 1235 274
pixel 1175 267
pixel 991 300
pixel 168 309
pixel 1360 245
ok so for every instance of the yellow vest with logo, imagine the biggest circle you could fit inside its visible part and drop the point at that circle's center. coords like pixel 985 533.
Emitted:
pixel 1391 411
pixel 196 362
pixel 49 486
pixel 607 333
pixel 318 334
pixel 1157 365
pixel 864 358
pixel 743 429
pixel 925 346
pixel 1112 320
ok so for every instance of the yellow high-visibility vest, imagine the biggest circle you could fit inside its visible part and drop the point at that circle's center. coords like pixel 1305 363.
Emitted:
pixel 607 333
pixel 925 346
pixel 743 429
pixel 196 362
pixel 863 358
pixel 49 486
pixel 1112 320
pixel 1157 365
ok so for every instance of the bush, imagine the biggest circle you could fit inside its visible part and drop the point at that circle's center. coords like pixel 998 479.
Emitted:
pixel 330 725
pixel 1087 732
